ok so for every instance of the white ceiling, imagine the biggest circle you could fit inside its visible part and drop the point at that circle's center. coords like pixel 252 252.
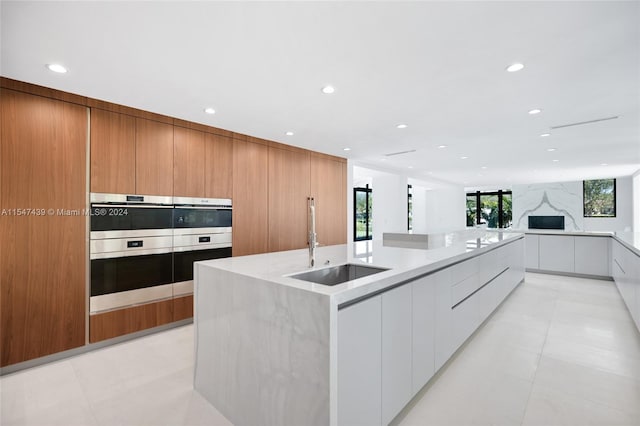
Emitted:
pixel 437 66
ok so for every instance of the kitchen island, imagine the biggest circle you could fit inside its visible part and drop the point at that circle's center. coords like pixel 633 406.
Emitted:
pixel 274 349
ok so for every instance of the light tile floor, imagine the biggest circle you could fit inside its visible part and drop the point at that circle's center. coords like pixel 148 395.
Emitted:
pixel 559 351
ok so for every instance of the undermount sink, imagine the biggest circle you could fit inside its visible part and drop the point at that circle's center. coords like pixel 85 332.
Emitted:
pixel 337 274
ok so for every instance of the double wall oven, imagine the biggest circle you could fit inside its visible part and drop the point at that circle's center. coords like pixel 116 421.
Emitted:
pixel 142 247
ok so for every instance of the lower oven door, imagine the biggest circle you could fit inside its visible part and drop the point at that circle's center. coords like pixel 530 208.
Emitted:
pixel 194 248
pixel 120 279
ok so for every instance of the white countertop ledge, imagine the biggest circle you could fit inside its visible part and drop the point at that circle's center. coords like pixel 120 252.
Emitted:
pixel 402 263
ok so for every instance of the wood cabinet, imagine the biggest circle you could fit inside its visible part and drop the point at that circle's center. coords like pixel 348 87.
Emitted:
pixel 154 158
pixel 288 193
pixel 250 201
pixel 360 363
pixel 329 188
pixel 129 320
pixel 188 162
pixel 218 171
pixel 396 351
pixel 182 307
pixel 113 152
pixel 43 261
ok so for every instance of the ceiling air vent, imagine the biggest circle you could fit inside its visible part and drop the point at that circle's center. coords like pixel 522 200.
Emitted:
pixel 399 153
pixel 584 122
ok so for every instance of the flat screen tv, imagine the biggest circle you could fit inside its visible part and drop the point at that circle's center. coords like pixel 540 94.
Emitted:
pixel 546 222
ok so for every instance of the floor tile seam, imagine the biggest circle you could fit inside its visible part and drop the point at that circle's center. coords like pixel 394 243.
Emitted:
pixel 576 398
pixel 535 374
pixel 601 370
pixel 84 394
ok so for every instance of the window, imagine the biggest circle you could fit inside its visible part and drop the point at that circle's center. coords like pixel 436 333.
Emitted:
pixel 490 208
pixel 362 214
pixel 409 208
pixel 599 197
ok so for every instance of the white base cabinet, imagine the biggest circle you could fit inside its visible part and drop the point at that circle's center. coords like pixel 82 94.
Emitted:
pixel 391 345
pixel 531 251
pixel 557 253
pixel 592 255
pixel 572 254
pixel 625 268
pixel 360 363
pixel 396 351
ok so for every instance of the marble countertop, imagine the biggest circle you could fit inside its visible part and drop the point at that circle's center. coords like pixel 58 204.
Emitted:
pixel 402 263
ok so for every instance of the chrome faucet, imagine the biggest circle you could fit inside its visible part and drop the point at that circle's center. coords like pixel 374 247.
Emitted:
pixel 313 243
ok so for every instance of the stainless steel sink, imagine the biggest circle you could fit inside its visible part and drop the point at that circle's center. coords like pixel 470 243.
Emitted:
pixel 337 274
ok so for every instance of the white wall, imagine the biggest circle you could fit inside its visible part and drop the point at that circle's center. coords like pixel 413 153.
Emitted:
pixel 566 199
pixel 389 212
pixel 437 206
pixel 445 210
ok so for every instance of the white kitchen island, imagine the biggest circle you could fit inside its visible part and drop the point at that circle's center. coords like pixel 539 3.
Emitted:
pixel 275 350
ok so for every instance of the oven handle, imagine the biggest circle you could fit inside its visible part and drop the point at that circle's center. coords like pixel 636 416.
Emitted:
pixel 179 206
pixel 137 206
pixel 131 253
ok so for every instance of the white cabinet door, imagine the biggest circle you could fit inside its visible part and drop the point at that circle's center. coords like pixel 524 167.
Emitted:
pixel 557 253
pixel 531 251
pixel 444 337
pixel 423 330
pixel 360 363
pixel 396 351
pixel 592 255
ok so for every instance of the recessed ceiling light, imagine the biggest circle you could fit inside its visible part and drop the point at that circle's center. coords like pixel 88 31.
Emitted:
pixel 289 133
pixel 551 149
pixel 484 167
pixel 210 110
pixel 57 68
pixel 603 164
pixel 544 135
pixel 535 111
pixel 515 67
pixel 328 89
pixel 463 158
pixel 555 161
pixel 346 149
pixel 411 167
pixel 401 126
pixel 442 146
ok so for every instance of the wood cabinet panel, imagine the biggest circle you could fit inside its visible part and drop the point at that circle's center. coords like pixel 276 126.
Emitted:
pixel 250 173
pixel 329 188
pixel 218 169
pixel 188 162
pixel 43 166
pixel 182 308
pixel 288 192
pixel 154 158
pixel 113 152
pixel 129 320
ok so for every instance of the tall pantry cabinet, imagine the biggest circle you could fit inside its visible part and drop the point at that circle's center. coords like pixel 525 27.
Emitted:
pixel 43 237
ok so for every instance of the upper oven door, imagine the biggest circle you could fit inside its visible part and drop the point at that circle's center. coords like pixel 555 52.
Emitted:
pixel 120 216
pixel 202 217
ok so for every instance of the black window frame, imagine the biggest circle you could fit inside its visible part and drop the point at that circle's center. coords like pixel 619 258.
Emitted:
pixel 615 200
pixel 499 193
pixel 368 234
pixel 409 208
